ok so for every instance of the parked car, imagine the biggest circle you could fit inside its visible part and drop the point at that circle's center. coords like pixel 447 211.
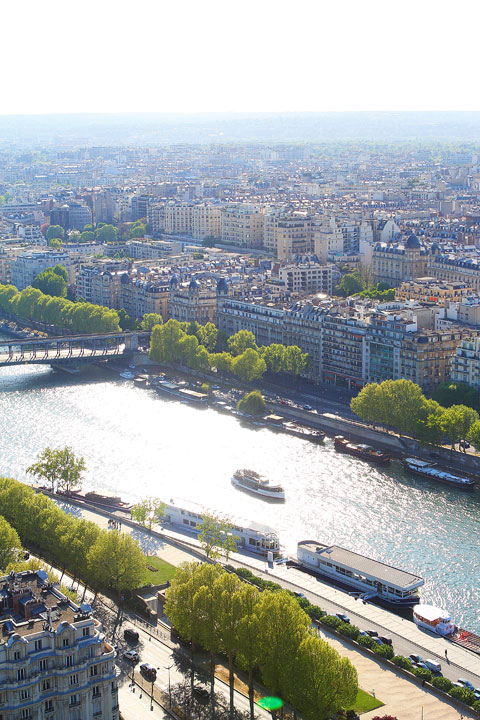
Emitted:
pixel 415 659
pixel 386 640
pixel 372 633
pixel 465 683
pixel 307 407
pixel 344 618
pixel 201 695
pixel 299 594
pixel 377 640
pixel 283 402
pixel 131 635
pixel 132 656
pixel 148 672
pixel 433 666
pixel 215 387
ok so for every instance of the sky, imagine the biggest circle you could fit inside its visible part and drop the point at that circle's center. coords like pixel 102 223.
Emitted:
pixel 246 56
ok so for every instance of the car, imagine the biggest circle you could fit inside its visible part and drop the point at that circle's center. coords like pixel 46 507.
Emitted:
pixel 466 683
pixel 344 618
pixel 131 635
pixel 131 655
pixel 215 387
pixel 307 407
pixel 283 402
pixel 477 693
pixel 372 633
pixel 201 695
pixel 415 659
pixel 377 640
pixel 433 666
pixel 148 671
pixel 386 640
pixel 299 594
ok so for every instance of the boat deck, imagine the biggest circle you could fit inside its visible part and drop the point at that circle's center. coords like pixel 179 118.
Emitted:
pixel 467 639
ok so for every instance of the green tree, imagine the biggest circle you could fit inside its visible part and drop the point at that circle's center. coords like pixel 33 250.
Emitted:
pixel 61 270
pixel 448 394
pixel 149 321
pixel 248 366
pixel 457 421
pixel 165 344
pixel 106 233
pixel 230 609
pixel 49 283
pixel 252 404
pixel 274 356
pixel 148 511
pixel 248 654
pixel 60 468
pixel 10 545
pixel 26 302
pixel 241 341
pixel 282 626
pixel 474 435
pixel 116 562
pixel 207 336
pixel 222 361
pixel 295 362
pixel 126 322
pixel 216 536
pixel 87 236
pixel 53 232
pixel 350 285
pixel 137 230
pixel 370 404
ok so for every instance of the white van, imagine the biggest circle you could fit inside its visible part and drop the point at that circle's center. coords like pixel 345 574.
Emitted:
pixel 434 666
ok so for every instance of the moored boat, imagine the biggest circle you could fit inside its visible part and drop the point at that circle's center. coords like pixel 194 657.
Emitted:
pixel 303 432
pixel 366 452
pixel 434 619
pixel 253 483
pixel 371 579
pixel 430 471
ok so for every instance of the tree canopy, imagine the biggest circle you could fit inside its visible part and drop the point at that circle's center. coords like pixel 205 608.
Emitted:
pixel 10 545
pixel 51 283
pixel 54 231
pixel 252 403
pixel 216 536
pixel 60 468
pixel 148 511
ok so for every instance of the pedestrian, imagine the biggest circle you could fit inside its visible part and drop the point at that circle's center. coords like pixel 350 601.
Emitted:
pixel 423 682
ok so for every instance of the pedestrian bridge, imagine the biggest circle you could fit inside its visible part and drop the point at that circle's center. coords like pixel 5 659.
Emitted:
pixel 70 348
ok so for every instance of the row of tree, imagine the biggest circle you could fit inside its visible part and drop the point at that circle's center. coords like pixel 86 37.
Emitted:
pixel 198 347
pixel 82 317
pixel 264 632
pixel 105 559
pixel 401 404
pixel 102 233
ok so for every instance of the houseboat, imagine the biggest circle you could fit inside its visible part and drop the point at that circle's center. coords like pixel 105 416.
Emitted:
pixel 108 502
pixel 371 579
pixel 434 619
pixel 430 471
pixel 180 392
pixel 251 536
pixel 362 451
pixel 253 483
pixel 303 432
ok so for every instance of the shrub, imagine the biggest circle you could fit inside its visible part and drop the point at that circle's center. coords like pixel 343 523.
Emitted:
pixel 385 651
pixel 332 621
pixel 403 662
pixel 464 694
pixel 350 631
pixel 316 612
pixel 366 641
pixel 442 683
pixel 422 673
pixel 351 715
pixel 476 706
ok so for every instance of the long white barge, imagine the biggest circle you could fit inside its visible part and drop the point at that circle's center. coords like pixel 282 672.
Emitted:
pixel 434 619
pixel 372 579
pixel 251 536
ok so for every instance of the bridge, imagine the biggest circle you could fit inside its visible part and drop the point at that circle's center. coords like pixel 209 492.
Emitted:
pixel 70 348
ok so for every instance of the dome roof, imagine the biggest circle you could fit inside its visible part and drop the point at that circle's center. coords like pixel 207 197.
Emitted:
pixel 413 243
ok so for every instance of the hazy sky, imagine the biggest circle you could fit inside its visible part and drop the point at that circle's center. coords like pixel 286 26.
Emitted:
pixel 250 55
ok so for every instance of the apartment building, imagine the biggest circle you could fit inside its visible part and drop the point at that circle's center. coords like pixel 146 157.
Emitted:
pixel 100 286
pixel 54 659
pixel 265 320
pixel 156 218
pixel 242 225
pixel 455 267
pixel 394 263
pixel 206 221
pixel 327 240
pixel 294 236
pixel 144 250
pixel 193 301
pixel 432 290
pixel 178 218
pixel 343 349
pixel 139 206
pixel 27 265
pixel 465 366
pixel 141 295
pixel 307 277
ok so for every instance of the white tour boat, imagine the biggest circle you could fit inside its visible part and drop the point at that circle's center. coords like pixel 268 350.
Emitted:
pixel 434 619
pixel 371 579
pixel 251 536
pixel 430 471
pixel 256 484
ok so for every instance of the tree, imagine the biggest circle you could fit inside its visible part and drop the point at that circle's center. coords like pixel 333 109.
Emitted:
pixel 248 633
pixel 249 365
pixel 448 394
pixel 274 356
pixel 53 232
pixel 49 283
pixel 222 362
pixel 474 435
pixel 252 404
pixel 350 285
pixel 207 336
pixel 404 401
pixel 60 468
pixel 429 425
pixel 116 562
pixel 230 609
pixel 216 536
pixel 137 230
pixel 238 343
pixel 87 236
pixel 165 340
pixel 106 233
pixel 295 362
pixel 457 421
pixel 148 511
pixel 149 321
pixel 61 270
pixel 10 545
pixel 126 322
pixel 369 404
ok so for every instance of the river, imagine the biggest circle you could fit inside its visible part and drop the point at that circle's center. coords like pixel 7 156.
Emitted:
pixel 135 444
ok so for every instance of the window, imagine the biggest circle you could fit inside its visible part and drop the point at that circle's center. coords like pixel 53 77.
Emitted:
pixel 96 692
pixel 74 700
pixel 65 642
pixel 46 685
pixel 73 679
pixel 49 706
pixel 86 632
pixel 69 661
pixel 94 671
pixel 21 675
pixel 43 665
pixel 17 655
pixel 38 644
pixel 26 714
pixel 25 694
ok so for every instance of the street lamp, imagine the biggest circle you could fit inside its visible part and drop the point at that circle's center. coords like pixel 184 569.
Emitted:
pixel 169 686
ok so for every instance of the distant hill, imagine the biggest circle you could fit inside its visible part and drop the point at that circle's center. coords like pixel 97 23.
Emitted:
pixel 159 129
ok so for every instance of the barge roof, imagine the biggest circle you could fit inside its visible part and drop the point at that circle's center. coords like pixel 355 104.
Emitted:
pixel 387 574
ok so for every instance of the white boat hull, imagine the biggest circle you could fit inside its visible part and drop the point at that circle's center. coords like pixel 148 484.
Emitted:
pixel 260 492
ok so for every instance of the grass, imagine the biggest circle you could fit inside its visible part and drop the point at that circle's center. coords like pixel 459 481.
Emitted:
pixel 365 702
pixel 163 571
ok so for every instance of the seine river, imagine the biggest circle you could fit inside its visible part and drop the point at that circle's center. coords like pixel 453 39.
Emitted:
pixel 137 444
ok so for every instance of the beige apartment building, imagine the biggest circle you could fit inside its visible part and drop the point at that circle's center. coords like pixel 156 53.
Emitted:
pixel 178 218
pixel 193 301
pixel 294 236
pixel 327 239
pixel 207 221
pixel 242 225
pixel 451 268
pixel 432 290
pixel 307 277
pixel 394 263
